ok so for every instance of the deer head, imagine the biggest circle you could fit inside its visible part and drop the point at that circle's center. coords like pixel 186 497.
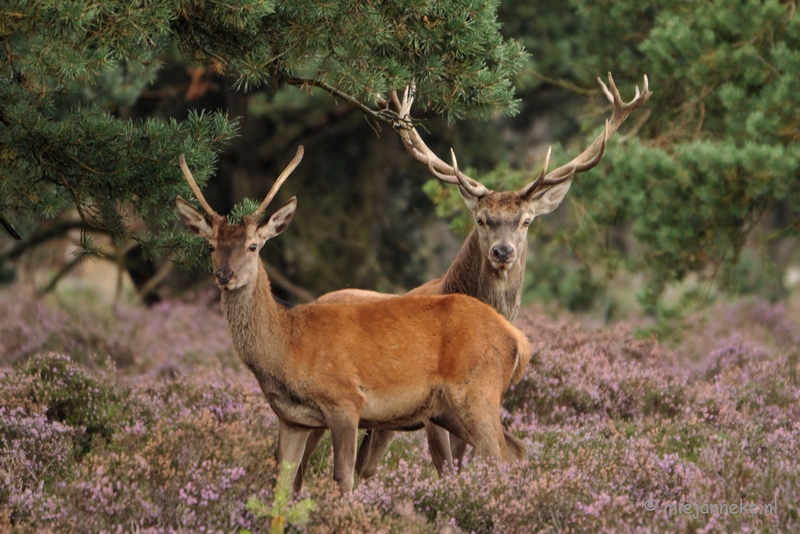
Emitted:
pixel 235 247
pixel 502 218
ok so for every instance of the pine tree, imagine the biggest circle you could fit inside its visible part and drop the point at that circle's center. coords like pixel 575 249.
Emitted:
pixel 713 155
pixel 66 65
pixel 720 147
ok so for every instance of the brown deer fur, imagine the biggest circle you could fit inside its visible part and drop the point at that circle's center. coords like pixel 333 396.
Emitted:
pixel 474 272
pixel 388 363
pixel 491 263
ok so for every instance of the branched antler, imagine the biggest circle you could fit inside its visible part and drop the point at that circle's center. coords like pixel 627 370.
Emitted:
pixel 586 160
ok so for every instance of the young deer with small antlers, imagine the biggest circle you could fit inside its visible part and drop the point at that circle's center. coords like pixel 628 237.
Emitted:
pixel 491 263
pixel 394 363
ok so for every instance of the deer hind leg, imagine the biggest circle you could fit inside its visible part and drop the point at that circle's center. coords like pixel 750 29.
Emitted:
pixel 372 450
pixel 313 440
pixel 291 447
pixel 476 415
pixel 439 447
pixel 516 446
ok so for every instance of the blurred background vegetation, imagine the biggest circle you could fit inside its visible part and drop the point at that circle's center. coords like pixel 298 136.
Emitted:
pixel 694 199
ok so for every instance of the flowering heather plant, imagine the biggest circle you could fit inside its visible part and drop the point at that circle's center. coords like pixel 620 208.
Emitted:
pixel 33 451
pixel 623 435
pixel 171 337
pixel 75 396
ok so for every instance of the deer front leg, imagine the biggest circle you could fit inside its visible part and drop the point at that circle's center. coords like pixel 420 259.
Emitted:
pixel 344 434
pixel 291 447
pixel 313 440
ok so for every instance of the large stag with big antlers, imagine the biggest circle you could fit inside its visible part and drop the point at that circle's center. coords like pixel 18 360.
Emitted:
pixel 491 263
pixel 393 363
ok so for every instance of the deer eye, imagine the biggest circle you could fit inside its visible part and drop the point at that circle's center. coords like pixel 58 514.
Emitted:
pixel 253 247
pixel 479 221
pixel 210 247
pixel 526 223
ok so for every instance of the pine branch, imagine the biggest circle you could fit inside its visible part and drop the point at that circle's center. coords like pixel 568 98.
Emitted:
pixel 10 228
pixel 383 115
pixel 42 235
pixel 61 274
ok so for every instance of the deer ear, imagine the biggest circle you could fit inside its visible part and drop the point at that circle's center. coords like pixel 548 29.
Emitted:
pixel 469 199
pixel 551 199
pixel 277 222
pixel 194 219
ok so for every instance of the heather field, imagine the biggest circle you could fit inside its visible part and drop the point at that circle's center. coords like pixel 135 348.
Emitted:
pixel 125 419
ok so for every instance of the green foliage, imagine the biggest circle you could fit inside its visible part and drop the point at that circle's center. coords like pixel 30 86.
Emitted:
pixel 715 152
pixel 720 148
pixel 366 49
pixel 245 207
pixel 689 208
pixel 70 70
pixel 68 66
pixel 281 512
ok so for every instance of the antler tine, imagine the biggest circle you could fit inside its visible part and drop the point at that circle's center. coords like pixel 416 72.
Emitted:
pixel 420 151
pixel 590 157
pixel 529 190
pixel 196 189
pixel 473 188
pixel 539 179
pixel 443 177
pixel 279 182
pixel 404 106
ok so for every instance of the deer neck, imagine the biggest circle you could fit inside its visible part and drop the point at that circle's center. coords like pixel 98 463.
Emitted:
pixel 472 274
pixel 256 323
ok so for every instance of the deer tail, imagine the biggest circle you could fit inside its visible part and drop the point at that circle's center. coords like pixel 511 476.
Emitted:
pixel 523 356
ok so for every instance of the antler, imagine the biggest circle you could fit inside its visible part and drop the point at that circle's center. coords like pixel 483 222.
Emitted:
pixel 279 182
pixel 196 190
pixel 264 203
pixel 420 151
pixel 594 152
pixel 583 162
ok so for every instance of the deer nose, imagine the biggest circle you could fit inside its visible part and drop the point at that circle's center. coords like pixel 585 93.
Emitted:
pixel 223 276
pixel 503 253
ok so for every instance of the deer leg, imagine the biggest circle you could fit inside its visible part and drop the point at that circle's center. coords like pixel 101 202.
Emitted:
pixel 291 447
pixel 451 421
pixel 372 450
pixel 458 447
pixel 484 426
pixel 364 453
pixel 474 417
pixel 439 447
pixel 516 446
pixel 313 440
pixel 344 434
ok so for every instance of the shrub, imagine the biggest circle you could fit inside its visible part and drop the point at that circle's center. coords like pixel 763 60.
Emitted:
pixel 71 395
pixel 610 422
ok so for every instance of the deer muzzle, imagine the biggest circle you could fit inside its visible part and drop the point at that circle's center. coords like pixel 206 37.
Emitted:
pixel 223 276
pixel 503 254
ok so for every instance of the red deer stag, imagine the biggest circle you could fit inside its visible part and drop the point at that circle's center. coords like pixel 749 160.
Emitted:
pixel 394 363
pixel 491 263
